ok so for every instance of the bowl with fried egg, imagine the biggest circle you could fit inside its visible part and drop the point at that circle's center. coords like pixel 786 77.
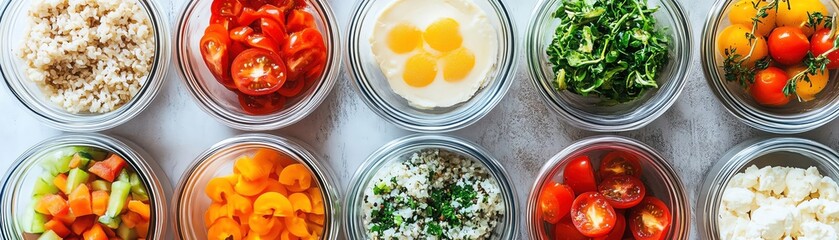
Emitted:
pixel 431 65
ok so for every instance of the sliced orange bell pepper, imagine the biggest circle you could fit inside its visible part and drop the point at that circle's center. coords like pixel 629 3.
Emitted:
pixel 82 223
pixel 296 175
pixel 58 227
pixel 225 229
pixel 99 202
pixel 60 182
pixel 276 230
pixel 316 218
pixel 251 188
pixel 317 200
pixel 315 229
pixel 297 225
pixel 142 229
pixel 272 203
pixel 218 189
pixel 96 232
pixel 261 224
pixel 287 235
pixel 238 205
pixel 214 212
pixel 140 208
pixel 253 169
pixel 275 186
pixel 79 200
pixel 300 202
pixel 108 169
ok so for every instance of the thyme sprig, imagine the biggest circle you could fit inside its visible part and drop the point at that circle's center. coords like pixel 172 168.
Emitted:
pixel 733 65
pixel 815 64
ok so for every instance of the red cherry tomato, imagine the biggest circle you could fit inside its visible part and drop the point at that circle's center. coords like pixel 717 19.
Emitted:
pixel 555 201
pixel 617 232
pixel 565 230
pixel 214 46
pixel 258 72
pixel 579 174
pixel 768 88
pixel 788 45
pixel 619 163
pixel 292 88
pixel 241 33
pixel 820 43
pixel 592 215
pixel 299 20
pixel 650 220
pixel 262 105
pixel 622 191
pixel 226 8
pixel 274 30
pixel 305 51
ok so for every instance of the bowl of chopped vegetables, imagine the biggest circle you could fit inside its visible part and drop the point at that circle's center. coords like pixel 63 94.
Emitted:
pixel 258 65
pixel 84 186
pixel 608 65
pixel 608 187
pixel 257 186
pixel 772 64
pixel 431 186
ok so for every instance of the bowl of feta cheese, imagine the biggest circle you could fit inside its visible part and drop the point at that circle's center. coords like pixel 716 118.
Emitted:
pixel 778 188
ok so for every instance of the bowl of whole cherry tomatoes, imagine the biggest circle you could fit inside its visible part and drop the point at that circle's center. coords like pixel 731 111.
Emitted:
pixel 608 187
pixel 772 63
pixel 258 64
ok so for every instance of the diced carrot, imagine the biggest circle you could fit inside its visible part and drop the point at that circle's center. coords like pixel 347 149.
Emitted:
pixel 55 205
pixel 68 218
pixel 76 161
pixel 140 208
pixel 58 227
pixel 109 168
pixel 108 231
pixel 96 232
pixel 82 223
pixel 142 229
pixel 99 201
pixel 79 200
pixel 60 182
pixel 131 219
pixel 218 189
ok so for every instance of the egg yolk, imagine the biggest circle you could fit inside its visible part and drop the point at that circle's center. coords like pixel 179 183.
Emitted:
pixel 443 35
pixel 458 64
pixel 404 38
pixel 420 70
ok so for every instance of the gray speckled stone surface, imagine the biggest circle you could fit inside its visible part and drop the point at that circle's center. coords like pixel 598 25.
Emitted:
pixel 521 132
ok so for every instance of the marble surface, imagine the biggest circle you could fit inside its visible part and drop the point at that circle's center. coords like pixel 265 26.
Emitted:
pixel 521 132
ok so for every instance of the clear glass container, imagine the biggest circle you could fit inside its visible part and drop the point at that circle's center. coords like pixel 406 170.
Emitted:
pixel 16 192
pixel 796 117
pixel 14 20
pixel 190 202
pixel 400 150
pixel 657 174
pixel 223 104
pixel 588 112
pixel 776 152
pixel 375 90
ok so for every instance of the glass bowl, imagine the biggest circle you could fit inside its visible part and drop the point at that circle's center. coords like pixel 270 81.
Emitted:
pixel 777 152
pixel 223 104
pixel 658 175
pixel 375 90
pixel 190 202
pixel 796 117
pixel 589 112
pixel 26 170
pixel 400 150
pixel 14 20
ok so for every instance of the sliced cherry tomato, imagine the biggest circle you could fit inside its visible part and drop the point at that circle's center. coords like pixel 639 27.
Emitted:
pixel 274 30
pixel 617 232
pixel 250 15
pixel 241 33
pixel 227 22
pixel 258 72
pixel 580 175
pixel 262 105
pixel 235 49
pixel 650 220
pixel 258 40
pixel 226 8
pixel 619 163
pixel 214 46
pixel 555 201
pixel 299 20
pixel 592 215
pixel 303 52
pixel 820 43
pixel 247 17
pixel 292 88
pixel 768 88
pixel 565 230
pixel 622 191
pixel 255 4
pixel 788 45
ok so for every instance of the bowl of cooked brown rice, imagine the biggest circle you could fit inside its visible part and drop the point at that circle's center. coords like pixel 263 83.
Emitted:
pixel 84 65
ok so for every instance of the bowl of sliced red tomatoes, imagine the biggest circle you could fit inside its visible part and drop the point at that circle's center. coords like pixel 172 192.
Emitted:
pixel 258 64
pixel 608 187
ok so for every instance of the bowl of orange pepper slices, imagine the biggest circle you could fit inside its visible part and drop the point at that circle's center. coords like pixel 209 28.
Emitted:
pixel 265 51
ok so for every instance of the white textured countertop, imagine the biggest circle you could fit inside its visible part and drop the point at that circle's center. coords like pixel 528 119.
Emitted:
pixel 521 132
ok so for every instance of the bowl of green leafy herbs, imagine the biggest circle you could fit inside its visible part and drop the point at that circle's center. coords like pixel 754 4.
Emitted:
pixel 609 65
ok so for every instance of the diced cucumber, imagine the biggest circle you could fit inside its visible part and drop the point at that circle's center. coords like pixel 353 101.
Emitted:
pixel 123 176
pixel 33 222
pixel 100 185
pixel 50 235
pixel 94 153
pixel 126 233
pixel 119 195
pixel 76 178
pixel 84 159
pixel 138 190
pixel 110 222
pixel 42 187
pixel 58 161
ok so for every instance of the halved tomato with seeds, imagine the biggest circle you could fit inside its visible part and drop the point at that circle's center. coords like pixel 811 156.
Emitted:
pixel 593 215
pixel 650 220
pixel 619 163
pixel 258 72
pixel 262 105
pixel 214 46
pixel 622 191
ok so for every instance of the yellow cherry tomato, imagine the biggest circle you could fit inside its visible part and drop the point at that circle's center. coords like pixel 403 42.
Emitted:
pixel 743 11
pixel 734 38
pixel 807 91
pixel 794 13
